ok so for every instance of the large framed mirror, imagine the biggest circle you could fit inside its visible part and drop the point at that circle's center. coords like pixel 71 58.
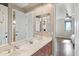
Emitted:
pixel 43 24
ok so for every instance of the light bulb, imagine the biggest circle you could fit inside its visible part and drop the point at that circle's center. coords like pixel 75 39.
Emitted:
pixel 66 41
pixel 14 22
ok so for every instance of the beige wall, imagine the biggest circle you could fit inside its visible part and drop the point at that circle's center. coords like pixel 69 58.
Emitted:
pixel 60 29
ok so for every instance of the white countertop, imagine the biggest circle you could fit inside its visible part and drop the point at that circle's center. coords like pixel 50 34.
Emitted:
pixel 27 49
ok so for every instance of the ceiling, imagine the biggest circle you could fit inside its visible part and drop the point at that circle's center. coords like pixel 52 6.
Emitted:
pixel 21 5
pixel 27 6
pixel 61 10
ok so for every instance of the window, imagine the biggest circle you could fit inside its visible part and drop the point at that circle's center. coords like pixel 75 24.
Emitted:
pixel 68 26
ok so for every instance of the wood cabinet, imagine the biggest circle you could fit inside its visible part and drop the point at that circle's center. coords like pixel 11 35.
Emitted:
pixel 44 51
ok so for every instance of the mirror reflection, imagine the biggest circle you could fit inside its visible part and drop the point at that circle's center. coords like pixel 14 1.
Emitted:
pixel 19 28
pixel 43 23
pixel 26 26
pixel 3 24
pixel 65 29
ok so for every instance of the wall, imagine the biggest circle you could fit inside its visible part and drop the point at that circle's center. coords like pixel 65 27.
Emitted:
pixel 60 29
pixel 60 18
pixel 77 29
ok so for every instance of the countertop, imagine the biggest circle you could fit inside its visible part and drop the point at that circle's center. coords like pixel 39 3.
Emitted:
pixel 27 49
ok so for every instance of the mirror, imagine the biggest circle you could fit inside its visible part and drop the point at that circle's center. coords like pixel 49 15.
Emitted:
pixel 3 24
pixel 19 26
pixel 42 23
pixel 22 27
pixel 31 23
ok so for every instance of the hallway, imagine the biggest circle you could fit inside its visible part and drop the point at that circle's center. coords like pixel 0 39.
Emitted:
pixel 64 47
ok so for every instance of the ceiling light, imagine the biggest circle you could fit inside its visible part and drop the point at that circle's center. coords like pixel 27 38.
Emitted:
pixel 67 16
pixel 66 41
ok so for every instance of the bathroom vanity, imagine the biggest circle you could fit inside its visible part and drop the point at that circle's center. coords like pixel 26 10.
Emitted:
pixel 41 46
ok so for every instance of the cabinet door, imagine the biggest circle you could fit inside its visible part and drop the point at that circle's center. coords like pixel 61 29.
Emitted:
pixel 50 48
pixel 44 51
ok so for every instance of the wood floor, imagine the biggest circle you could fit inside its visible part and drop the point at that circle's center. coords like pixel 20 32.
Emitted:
pixel 64 47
